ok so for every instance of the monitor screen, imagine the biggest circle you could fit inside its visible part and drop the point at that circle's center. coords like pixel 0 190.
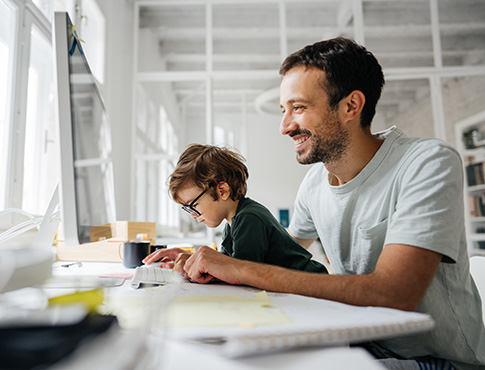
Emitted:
pixel 86 185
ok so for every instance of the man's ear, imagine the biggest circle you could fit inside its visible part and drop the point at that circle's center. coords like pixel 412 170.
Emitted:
pixel 223 190
pixel 354 103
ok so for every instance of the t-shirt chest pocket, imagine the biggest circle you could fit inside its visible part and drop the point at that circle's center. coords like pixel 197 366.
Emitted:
pixel 369 242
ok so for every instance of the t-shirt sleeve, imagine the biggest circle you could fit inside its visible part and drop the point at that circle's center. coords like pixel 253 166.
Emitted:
pixel 429 208
pixel 250 238
pixel 302 225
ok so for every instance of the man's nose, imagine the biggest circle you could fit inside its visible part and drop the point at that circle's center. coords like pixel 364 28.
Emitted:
pixel 287 124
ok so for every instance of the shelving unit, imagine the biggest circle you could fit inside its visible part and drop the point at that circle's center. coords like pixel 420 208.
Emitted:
pixel 473 156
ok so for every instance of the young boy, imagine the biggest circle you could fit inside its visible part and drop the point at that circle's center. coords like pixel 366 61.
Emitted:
pixel 210 184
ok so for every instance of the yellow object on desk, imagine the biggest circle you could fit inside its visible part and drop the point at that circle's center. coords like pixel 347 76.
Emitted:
pixel 188 249
pixel 91 299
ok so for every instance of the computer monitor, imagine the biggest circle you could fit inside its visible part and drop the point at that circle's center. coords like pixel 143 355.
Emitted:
pixel 86 187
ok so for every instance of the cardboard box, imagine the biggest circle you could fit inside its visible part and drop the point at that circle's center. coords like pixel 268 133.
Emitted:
pixel 123 231
pixel 106 242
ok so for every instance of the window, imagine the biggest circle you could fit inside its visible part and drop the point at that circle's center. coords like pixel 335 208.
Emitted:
pixel 8 18
pixel 41 173
pixel 92 32
pixel 28 163
pixel 156 148
pixel 46 7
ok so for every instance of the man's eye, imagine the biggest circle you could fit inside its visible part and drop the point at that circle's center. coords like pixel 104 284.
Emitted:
pixel 298 107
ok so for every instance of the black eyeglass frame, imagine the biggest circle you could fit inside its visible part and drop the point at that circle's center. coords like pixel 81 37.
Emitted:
pixel 189 208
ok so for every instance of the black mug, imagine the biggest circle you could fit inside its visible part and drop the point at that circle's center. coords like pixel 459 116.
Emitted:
pixel 135 252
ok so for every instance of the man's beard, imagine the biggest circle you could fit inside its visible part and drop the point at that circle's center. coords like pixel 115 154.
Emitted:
pixel 328 143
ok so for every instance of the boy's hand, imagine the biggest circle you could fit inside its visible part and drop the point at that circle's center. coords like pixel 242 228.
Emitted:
pixel 168 257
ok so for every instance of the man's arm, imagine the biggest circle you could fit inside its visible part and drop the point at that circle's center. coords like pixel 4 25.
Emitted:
pixel 400 280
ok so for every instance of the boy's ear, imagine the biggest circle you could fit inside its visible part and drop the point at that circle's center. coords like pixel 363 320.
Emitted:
pixel 223 190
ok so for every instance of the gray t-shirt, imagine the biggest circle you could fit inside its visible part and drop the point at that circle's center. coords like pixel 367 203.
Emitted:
pixel 411 192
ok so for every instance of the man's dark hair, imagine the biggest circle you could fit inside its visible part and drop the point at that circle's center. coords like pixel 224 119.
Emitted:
pixel 347 66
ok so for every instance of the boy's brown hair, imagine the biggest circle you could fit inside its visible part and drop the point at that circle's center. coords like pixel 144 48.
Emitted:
pixel 205 166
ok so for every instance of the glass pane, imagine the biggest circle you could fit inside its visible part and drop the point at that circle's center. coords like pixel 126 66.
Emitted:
pixel 40 158
pixel 309 22
pixel 8 18
pixel 92 32
pixel 191 102
pixel 46 7
pixel 399 32
pixel 462 32
pixel 406 104
pixel 246 36
pixel 172 38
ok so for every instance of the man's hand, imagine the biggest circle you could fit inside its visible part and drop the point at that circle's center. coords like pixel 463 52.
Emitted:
pixel 208 265
pixel 179 263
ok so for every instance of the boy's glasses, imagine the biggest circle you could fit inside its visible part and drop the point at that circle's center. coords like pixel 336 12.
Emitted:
pixel 189 208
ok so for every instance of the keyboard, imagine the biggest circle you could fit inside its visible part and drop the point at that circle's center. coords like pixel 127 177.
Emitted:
pixel 155 275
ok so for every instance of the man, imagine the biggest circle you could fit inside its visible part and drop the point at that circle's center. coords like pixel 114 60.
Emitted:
pixel 388 210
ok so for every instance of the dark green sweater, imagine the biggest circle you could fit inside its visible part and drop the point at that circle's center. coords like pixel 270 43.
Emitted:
pixel 255 235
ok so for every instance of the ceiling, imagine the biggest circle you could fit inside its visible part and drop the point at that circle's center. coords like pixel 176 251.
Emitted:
pixel 248 40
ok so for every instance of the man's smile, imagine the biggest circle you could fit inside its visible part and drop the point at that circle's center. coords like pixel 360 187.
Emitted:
pixel 300 140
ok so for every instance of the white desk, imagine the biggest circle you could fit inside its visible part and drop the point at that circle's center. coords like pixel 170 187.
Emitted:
pixel 175 354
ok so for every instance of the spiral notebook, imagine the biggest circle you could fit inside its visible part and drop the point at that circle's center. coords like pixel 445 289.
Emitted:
pixel 312 323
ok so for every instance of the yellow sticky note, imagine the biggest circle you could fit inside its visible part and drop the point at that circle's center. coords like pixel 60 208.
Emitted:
pixel 206 311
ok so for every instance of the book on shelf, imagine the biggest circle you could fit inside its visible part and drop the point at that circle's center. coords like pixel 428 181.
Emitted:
pixel 476 204
pixel 481 243
pixel 475 173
